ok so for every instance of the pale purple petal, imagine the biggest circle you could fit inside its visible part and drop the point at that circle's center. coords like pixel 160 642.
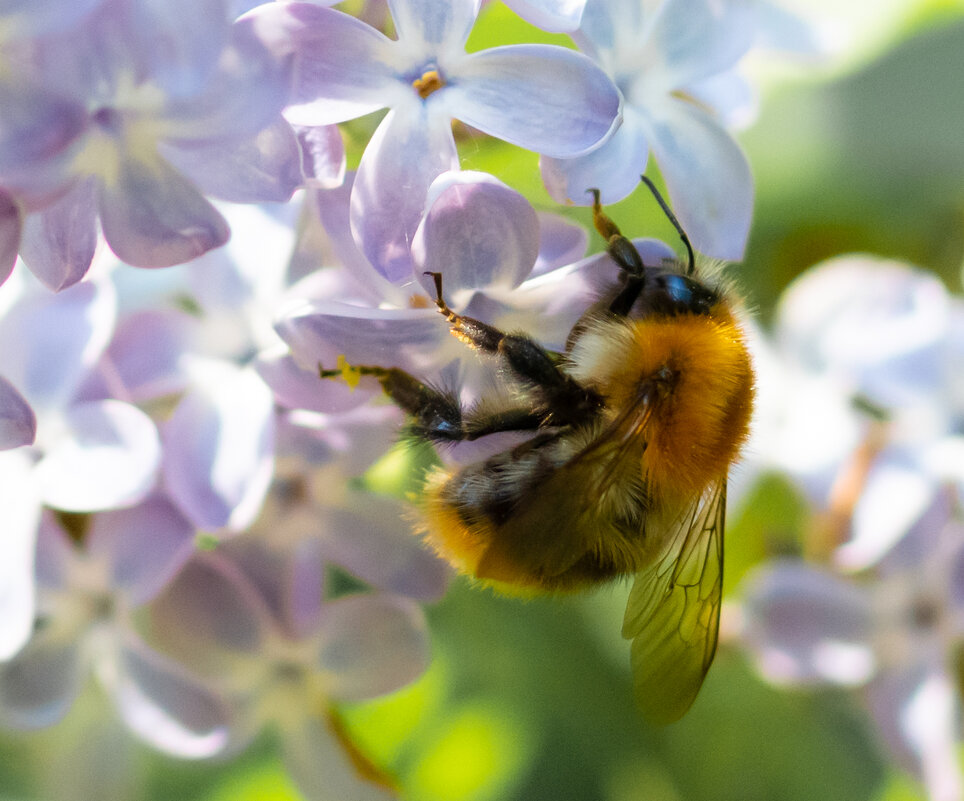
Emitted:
pixel 20 502
pixel 550 15
pixel 11 225
pixel 144 546
pixel 916 711
pixel 698 38
pixel 434 25
pixel 707 176
pixel 321 765
pixel 153 217
pixel 410 147
pixel 805 626
pixel 59 242
pixel 264 168
pixel 145 355
pixel 18 424
pixel 730 95
pixel 477 233
pixel 543 98
pixel 561 242
pixel 296 388
pixel 341 67
pixel 321 332
pixel 60 338
pixel 109 458
pixel 40 683
pixel 47 17
pixel 182 40
pixel 219 448
pixel 613 169
pixel 371 538
pixel 167 707
pixel 210 618
pixel 57 555
pixel 324 155
pixel 372 644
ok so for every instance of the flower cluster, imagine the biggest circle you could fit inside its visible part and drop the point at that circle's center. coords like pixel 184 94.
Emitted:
pixel 866 360
pixel 180 490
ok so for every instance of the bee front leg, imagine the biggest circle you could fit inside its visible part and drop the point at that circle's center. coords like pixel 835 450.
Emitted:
pixel 567 401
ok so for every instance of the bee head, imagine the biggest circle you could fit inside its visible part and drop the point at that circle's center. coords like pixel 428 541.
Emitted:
pixel 669 294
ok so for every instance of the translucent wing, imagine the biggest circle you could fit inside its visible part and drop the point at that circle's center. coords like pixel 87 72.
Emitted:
pixel 673 612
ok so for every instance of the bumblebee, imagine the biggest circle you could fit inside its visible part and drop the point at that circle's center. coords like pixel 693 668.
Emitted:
pixel 634 427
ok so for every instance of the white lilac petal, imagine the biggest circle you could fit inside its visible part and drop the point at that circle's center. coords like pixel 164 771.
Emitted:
pixel 707 176
pixel 263 168
pixel 61 336
pixel 144 546
pixel 39 684
pixel 181 41
pixel 18 423
pixel 730 95
pixel 154 217
pixel 895 496
pixel 878 321
pixel 341 66
pixel 219 447
pixel 357 438
pixel 439 26
pixel 561 242
pixel 548 99
pixel 613 169
pixel 916 711
pixel 243 95
pixel 21 506
pixel 371 645
pixel 410 147
pixel 370 537
pixel 323 331
pixel 321 765
pixel 806 626
pixel 59 241
pixel 167 707
pixel 11 225
pixel 296 388
pixel 610 28
pixel 145 354
pixel 693 39
pixel 555 16
pixel 211 619
pixel 477 232
pixel 108 458
pixel 323 152
pixel 780 30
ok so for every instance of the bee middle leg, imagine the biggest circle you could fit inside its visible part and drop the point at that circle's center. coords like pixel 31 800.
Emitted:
pixel 437 415
pixel 567 401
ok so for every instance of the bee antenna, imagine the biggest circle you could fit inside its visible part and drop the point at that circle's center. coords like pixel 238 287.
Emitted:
pixel 691 263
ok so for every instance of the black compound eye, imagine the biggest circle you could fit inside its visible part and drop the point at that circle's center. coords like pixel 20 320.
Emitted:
pixel 685 294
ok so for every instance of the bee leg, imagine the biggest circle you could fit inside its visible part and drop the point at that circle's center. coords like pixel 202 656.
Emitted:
pixel 622 251
pixel 568 401
pixel 437 414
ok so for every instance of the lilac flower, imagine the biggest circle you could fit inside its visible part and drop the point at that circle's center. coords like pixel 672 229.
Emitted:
pixel 86 598
pixel 163 93
pixel 665 59
pixel 482 237
pixel 545 98
pixel 284 659
pixel 899 633
pixel 552 15
pixel 88 454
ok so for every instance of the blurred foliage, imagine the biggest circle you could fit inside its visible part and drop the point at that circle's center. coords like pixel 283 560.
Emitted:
pixel 532 700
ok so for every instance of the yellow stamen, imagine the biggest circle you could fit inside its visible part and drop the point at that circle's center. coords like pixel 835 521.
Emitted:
pixel 428 83
pixel 351 375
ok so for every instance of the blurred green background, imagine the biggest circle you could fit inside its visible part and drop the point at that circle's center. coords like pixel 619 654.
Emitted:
pixel 531 701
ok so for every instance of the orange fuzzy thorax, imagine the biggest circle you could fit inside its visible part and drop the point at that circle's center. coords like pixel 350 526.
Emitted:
pixel 701 421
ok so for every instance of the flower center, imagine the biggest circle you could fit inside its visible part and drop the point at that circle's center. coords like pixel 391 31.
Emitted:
pixel 430 82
